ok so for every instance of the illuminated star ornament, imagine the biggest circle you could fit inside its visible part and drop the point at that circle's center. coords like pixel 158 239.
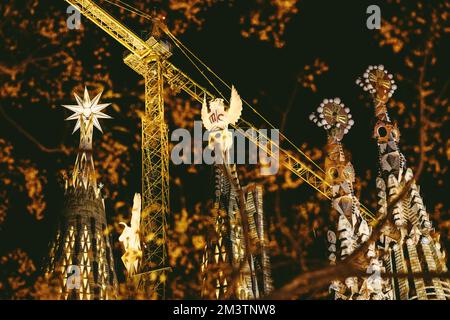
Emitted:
pixel 87 110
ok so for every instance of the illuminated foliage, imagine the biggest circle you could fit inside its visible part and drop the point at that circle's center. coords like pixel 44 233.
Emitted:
pixel 269 24
pixel 43 62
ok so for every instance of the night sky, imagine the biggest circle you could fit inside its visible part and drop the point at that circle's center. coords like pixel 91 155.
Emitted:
pixel 333 32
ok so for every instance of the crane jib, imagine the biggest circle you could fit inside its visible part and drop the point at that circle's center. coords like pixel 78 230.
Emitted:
pixel 180 81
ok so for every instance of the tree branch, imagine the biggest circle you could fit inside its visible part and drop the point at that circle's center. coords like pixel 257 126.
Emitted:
pixel 31 138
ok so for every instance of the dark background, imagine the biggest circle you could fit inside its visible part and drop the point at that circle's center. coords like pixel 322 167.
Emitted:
pixel 272 75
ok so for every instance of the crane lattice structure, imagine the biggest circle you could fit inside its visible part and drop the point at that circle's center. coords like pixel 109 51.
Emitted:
pixel 150 59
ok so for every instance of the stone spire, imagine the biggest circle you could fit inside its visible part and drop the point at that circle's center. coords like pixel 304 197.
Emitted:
pixel 349 230
pixel 81 253
pixel 409 243
pixel 235 263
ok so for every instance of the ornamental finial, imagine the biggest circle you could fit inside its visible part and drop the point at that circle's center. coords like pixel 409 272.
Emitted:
pixel 87 109
pixel 86 112
pixel 379 82
pixel 334 117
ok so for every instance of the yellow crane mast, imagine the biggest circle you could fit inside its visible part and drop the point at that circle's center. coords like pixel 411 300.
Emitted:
pixel 146 58
pixel 149 59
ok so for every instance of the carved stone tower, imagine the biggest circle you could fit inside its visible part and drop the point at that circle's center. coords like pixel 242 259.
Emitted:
pixel 348 229
pixel 236 254
pixel 81 254
pixel 235 263
pixel 409 243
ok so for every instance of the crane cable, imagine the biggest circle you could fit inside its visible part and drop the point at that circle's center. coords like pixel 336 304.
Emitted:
pixel 246 103
pixel 178 43
pixel 140 13
pixel 185 49
pixel 202 73
pixel 129 8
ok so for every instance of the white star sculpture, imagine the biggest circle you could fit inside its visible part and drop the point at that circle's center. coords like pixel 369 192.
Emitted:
pixel 87 108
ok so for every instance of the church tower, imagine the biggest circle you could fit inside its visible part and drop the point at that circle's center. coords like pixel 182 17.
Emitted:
pixel 348 229
pixel 81 254
pixel 236 254
pixel 409 242
pixel 235 263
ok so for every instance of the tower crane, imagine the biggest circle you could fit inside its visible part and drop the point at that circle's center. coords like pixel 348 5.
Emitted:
pixel 149 58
